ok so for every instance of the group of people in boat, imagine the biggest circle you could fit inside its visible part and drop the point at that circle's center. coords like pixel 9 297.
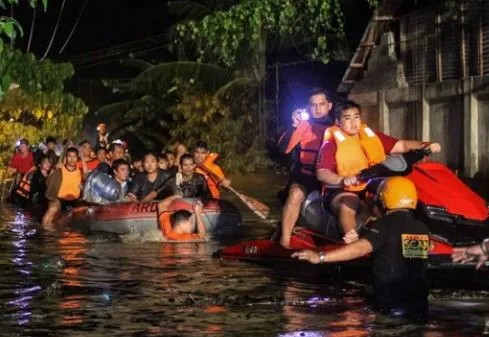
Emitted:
pixel 57 177
pixel 329 144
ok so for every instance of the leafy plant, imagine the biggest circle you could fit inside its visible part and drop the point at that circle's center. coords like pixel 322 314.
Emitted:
pixel 9 29
pixel 37 106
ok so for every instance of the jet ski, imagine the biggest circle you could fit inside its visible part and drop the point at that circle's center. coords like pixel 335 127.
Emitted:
pixel 455 215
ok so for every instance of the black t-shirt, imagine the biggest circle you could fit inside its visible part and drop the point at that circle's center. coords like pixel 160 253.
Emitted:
pixel 400 249
pixel 196 187
pixel 38 187
pixel 141 186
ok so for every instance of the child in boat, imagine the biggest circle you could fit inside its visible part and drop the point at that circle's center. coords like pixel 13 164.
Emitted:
pixel 350 147
pixel 181 225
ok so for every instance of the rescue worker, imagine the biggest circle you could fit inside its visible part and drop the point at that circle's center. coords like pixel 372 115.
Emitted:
pixel 102 189
pixel 149 185
pixel 188 183
pixel 303 141
pixel 350 147
pixel 213 174
pixel 181 225
pixel 32 187
pixel 63 187
pixel 399 245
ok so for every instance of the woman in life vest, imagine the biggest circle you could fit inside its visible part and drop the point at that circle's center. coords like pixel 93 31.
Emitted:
pixel 63 187
pixel 351 146
pixel 181 225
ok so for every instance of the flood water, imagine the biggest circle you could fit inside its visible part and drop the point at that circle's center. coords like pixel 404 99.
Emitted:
pixel 67 284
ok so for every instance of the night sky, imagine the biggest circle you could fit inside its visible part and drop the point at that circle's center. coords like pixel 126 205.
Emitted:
pixel 123 26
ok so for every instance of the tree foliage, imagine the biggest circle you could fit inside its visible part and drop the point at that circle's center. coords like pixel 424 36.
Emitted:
pixel 186 102
pixel 224 35
pixel 37 106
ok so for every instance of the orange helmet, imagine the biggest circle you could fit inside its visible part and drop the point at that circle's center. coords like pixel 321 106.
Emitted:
pixel 398 192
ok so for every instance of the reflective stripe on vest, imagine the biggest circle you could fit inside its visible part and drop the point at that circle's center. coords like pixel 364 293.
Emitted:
pixel 354 154
pixel 70 184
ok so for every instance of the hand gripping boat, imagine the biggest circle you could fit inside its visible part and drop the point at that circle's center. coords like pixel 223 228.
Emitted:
pixel 455 215
pixel 221 218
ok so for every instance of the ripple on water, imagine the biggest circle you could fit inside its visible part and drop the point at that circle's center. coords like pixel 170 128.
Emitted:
pixel 66 283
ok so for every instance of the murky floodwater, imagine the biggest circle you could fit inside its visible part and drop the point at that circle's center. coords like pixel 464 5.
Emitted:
pixel 66 284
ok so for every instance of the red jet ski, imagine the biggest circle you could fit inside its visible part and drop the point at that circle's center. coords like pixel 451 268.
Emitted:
pixel 455 215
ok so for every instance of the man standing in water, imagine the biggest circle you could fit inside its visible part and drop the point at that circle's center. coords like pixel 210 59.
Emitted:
pixel 399 245
pixel 303 140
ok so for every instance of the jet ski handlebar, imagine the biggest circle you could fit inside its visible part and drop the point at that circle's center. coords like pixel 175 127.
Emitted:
pixel 394 165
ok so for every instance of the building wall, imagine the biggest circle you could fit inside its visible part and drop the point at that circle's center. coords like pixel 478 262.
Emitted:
pixel 453 113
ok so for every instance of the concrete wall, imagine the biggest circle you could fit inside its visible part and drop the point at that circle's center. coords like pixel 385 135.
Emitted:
pixel 453 113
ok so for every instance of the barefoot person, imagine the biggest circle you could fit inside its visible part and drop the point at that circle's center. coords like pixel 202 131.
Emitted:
pixel 350 147
pixel 303 141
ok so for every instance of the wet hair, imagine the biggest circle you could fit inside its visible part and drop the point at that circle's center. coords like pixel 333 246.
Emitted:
pixel 151 153
pixel 72 149
pixel 179 216
pixel 202 145
pixel 162 156
pixel 185 157
pixel 24 141
pixel 83 142
pixel 342 106
pixel 166 153
pixel 53 158
pixel 118 163
pixel 321 91
pixel 100 148
pixel 50 139
pixel 43 158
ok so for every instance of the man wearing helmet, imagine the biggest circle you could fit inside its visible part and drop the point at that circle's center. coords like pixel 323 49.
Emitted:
pixel 399 246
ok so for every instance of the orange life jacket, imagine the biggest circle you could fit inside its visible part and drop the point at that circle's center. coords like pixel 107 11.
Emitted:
pixel 355 153
pixel 166 228
pixel 70 184
pixel 213 174
pixel 24 187
pixel 310 138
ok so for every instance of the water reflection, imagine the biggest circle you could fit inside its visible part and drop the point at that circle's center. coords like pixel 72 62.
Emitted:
pixel 24 291
pixel 70 284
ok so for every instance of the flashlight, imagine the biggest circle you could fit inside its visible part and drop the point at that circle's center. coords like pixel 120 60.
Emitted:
pixel 304 115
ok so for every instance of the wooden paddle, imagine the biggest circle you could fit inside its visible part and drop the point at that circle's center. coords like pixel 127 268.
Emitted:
pixel 254 205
